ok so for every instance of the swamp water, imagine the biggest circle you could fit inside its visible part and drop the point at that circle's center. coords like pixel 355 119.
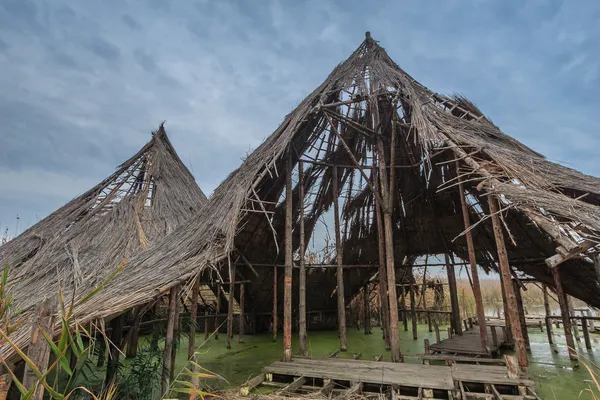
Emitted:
pixel 554 374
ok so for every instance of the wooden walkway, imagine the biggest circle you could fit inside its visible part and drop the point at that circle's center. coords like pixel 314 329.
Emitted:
pixel 334 376
pixel 469 343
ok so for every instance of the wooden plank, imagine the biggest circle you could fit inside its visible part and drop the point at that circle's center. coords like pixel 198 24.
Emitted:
pixel 295 385
pixel 326 389
pixel 357 356
pixel 251 384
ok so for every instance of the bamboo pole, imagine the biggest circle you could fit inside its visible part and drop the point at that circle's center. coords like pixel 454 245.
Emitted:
pixel 564 312
pixel 274 329
pixel 242 321
pixel 166 371
pixel 341 307
pixel 506 283
pixel 287 282
pixel 302 279
pixel 455 317
pixel 382 273
pixel 194 318
pixel 473 262
pixel 548 313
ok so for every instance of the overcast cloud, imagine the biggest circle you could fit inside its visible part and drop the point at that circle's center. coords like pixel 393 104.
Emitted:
pixel 84 82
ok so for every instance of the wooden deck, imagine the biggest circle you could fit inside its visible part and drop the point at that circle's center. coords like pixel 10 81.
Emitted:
pixel 401 380
pixel 469 343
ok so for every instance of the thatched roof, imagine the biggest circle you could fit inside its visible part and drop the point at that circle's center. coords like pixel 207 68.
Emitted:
pixel 83 242
pixel 546 205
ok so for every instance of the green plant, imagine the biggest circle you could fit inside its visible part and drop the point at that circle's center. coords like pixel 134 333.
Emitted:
pixel 141 380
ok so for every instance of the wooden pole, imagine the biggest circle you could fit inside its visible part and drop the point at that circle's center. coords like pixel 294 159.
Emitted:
pixel 437 332
pixel 217 311
pixel 230 304
pixel 548 314
pixel 521 310
pixel 302 279
pixel 404 310
pixel 413 314
pixel 242 321
pixel 507 321
pixel 194 318
pixel 341 307
pixel 367 309
pixel 506 282
pixel 564 312
pixel 586 333
pixel 206 329
pixel 176 334
pixel 166 371
pixel 382 273
pixel 116 336
pixel 274 329
pixel 134 335
pixel 39 350
pixel 473 262
pixel 101 350
pixel 573 321
pixel 289 253
pixel 455 317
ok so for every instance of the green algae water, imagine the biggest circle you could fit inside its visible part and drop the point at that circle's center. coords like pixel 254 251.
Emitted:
pixel 555 375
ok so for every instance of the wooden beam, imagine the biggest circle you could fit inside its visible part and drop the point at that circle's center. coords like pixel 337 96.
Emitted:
pixel 251 384
pixel 295 385
pixel 341 306
pixel 302 278
pixel 504 268
pixel 289 262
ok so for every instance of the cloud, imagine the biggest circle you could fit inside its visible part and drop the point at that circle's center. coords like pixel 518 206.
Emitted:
pixel 85 82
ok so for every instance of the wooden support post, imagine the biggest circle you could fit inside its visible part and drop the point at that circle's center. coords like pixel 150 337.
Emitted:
pixel 494 336
pixel 473 263
pixel 274 329
pixel 455 317
pixel 242 321
pixel 176 333
pixel 507 322
pixel 289 253
pixel 437 333
pixel 564 312
pixel 521 310
pixel 404 310
pixel 382 272
pixel 39 350
pixel 367 309
pixel 341 306
pixel 466 325
pixel 302 279
pixel 449 332
pixel 428 315
pixel 470 322
pixel 426 346
pixel 506 282
pixel 134 335
pixel 166 371
pixel 413 314
pixel 194 318
pixel 573 321
pixel 206 328
pixel 217 310
pixel 586 333
pixel 116 336
pixel 230 301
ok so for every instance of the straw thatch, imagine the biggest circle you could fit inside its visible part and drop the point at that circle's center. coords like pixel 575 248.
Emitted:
pixel 367 98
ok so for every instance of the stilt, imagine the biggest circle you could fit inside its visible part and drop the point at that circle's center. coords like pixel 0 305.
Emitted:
pixel 176 333
pixel 437 333
pixel 573 321
pixel 473 263
pixel 428 315
pixel 39 350
pixel 218 310
pixel 404 310
pixel 455 317
pixel 367 309
pixel 166 371
pixel 206 328
pixel 521 310
pixel 194 318
pixel 230 301
pixel 134 335
pixel 289 254
pixel 116 336
pixel 510 295
pixel 242 321
pixel 547 309
pixel 274 328
pixel 302 279
pixel 507 322
pixel 413 314
pixel 382 273
pixel 586 333
pixel 341 306
pixel 564 312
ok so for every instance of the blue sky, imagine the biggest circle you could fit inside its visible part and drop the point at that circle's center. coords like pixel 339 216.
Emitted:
pixel 84 82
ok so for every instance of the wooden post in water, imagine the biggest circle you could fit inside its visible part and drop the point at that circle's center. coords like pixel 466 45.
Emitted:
pixel 507 322
pixel 39 350
pixel 573 321
pixel 413 314
pixel 134 335
pixel 382 273
pixel 242 321
pixel 437 332
pixel 548 313
pixel 206 328
pixel 176 334
pixel 506 283
pixel 564 312
pixel 302 279
pixel 472 262
pixel 230 301
pixel 367 309
pixel 404 310
pixel 166 371
pixel 341 308
pixel 455 317
pixel 194 318
pixel 289 253
pixel 218 310
pixel 521 309
pixel 116 336
pixel 586 333
pixel 274 329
